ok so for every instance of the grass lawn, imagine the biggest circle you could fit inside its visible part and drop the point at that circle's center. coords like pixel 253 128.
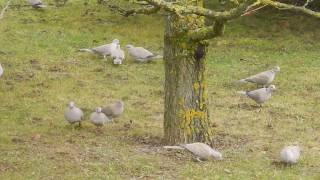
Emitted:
pixel 43 71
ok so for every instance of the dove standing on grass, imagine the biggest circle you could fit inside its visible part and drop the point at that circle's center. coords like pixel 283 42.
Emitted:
pixel 117 55
pixel 1 70
pixel 73 114
pixel 264 78
pixel 114 110
pixel 202 151
pixel 104 50
pixel 259 95
pixel 140 54
pixel 36 4
pixel 98 118
pixel 290 154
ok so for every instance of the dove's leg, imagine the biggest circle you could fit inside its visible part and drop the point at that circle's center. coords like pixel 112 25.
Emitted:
pixel 79 124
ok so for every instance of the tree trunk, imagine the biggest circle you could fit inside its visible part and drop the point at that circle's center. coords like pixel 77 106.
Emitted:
pixel 186 116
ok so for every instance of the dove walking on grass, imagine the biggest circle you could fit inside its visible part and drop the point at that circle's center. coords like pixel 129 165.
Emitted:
pixel 290 154
pixel 1 70
pixel 264 78
pixel 114 109
pixel 36 4
pixel 140 54
pixel 259 95
pixel 117 55
pixel 98 118
pixel 104 50
pixel 73 114
pixel 202 151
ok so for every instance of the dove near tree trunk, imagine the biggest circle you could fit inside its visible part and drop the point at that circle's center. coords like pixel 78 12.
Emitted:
pixel 140 54
pixel 264 78
pixel 259 95
pixel 202 151
pixel 114 109
pixel 290 154
pixel 73 114
pixel 103 50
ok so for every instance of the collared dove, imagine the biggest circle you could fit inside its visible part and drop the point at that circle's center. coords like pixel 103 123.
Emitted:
pixel 202 151
pixel 264 78
pixel 259 95
pixel 290 154
pixel 140 54
pixel 117 55
pixel 73 114
pixel 114 109
pixel 1 70
pixel 98 118
pixel 36 4
pixel 104 50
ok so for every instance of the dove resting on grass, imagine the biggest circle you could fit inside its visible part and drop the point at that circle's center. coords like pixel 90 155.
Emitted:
pixel 98 118
pixel 117 55
pixel 104 50
pixel 1 70
pixel 73 114
pixel 140 54
pixel 114 110
pixel 264 78
pixel 202 151
pixel 259 95
pixel 290 154
pixel 36 4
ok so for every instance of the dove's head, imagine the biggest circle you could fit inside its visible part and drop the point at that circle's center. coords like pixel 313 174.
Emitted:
pixel 98 109
pixel 116 41
pixel 272 87
pixel 71 104
pixel 216 155
pixel 129 46
pixel 276 69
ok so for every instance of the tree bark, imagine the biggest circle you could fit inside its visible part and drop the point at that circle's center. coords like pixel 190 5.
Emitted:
pixel 186 116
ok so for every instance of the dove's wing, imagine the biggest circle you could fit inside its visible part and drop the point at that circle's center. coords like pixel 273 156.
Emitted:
pixel 141 53
pixel 263 78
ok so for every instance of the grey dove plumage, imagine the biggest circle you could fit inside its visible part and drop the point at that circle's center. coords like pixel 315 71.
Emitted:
pixel 1 70
pixel 114 109
pixel 139 54
pixel 264 78
pixel 259 95
pixel 98 118
pixel 290 154
pixel 73 114
pixel 103 50
pixel 36 4
pixel 202 151
pixel 117 55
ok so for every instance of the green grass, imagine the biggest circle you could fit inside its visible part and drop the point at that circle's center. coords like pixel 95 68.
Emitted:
pixel 43 71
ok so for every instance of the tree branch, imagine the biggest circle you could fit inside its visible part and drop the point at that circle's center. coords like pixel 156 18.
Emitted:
pixel 178 9
pixel 283 6
pixel 133 11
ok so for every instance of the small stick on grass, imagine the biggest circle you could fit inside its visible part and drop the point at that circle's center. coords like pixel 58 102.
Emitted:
pixel 4 9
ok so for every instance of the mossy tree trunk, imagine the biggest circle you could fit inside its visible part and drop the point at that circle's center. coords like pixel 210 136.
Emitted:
pixel 186 116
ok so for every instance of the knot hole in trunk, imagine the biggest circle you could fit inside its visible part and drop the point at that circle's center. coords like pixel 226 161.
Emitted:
pixel 200 52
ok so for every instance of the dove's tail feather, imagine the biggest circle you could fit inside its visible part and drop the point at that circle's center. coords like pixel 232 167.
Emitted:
pixel 173 147
pixel 241 81
pixel 242 93
pixel 85 50
pixel 157 57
